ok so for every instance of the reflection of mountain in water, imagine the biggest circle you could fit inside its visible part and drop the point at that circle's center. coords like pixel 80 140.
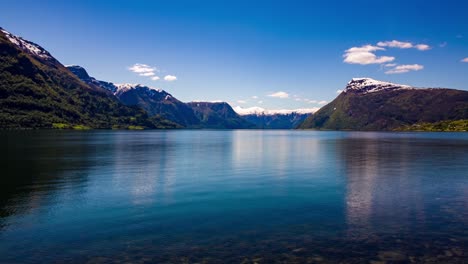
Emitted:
pixel 391 187
pixel 39 169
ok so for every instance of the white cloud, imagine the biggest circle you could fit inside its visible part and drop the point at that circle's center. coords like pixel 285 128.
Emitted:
pixel 365 55
pixel 422 47
pixel 149 71
pixel 405 68
pixel 146 74
pixel 322 102
pixel 254 97
pixel 241 101
pixel 170 78
pixel 339 91
pixel 465 60
pixel 312 101
pixel 395 44
pixel 142 68
pixel 260 102
pixel 390 65
pixel 259 110
pixel 281 95
pixel 403 45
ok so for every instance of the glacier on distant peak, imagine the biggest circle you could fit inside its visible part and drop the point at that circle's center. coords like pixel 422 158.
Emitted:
pixel 255 110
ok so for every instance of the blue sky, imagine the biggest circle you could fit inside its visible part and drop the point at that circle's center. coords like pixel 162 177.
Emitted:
pixel 271 54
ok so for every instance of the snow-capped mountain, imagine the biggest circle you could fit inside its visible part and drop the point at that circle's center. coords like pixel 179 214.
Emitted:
pixel 150 91
pixel 255 110
pixel 369 85
pixel 368 104
pixel 28 46
pixel 39 92
pixel 274 119
pixel 117 89
pixel 82 74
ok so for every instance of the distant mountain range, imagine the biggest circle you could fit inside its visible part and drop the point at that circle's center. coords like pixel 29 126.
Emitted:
pixel 37 91
pixel 160 103
pixel 368 104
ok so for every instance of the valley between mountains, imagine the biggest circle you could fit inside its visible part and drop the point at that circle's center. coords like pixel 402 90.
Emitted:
pixel 37 91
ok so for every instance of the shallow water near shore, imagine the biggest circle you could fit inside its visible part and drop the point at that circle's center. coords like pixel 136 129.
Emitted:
pixel 233 196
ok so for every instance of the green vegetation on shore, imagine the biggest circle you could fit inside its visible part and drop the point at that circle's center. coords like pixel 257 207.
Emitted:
pixel 441 126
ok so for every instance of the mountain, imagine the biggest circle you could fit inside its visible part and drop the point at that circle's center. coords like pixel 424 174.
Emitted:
pixel 154 101
pixel 157 102
pixel 367 104
pixel 37 91
pixel 276 121
pixel 218 115
pixel 160 102
pixel 82 74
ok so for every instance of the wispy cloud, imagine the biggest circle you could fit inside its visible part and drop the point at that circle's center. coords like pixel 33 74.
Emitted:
pixel 143 69
pixel 280 94
pixel 170 78
pixel 146 70
pixel 365 55
pixel 395 44
pixel 422 47
pixel 339 91
pixel 254 97
pixel 443 44
pixel 147 74
pixel 403 45
pixel 322 102
pixel 465 60
pixel 405 68
pixel 241 101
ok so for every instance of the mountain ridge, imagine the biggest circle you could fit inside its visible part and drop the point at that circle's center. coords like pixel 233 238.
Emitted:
pixel 37 91
pixel 161 103
pixel 367 104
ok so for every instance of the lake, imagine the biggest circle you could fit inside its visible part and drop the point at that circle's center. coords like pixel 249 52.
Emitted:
pixel 233 196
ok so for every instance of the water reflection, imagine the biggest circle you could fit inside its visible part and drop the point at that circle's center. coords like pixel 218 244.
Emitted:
pixel 144 167
pixel 230 195
pixel 392 185
pixel 38 169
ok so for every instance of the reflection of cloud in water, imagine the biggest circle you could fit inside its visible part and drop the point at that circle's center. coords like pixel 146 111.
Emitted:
pixel 144 166
pixel 275 151
pixel 390 186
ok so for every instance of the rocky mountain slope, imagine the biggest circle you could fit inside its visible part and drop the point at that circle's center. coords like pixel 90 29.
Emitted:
pixel 218 115
pixel 37 91
pixel 368 104
pixel 276 121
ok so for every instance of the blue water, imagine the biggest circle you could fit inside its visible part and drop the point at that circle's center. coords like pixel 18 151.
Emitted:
pixel 233 196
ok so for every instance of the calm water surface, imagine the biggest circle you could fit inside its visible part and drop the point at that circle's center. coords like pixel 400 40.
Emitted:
pixel 233 197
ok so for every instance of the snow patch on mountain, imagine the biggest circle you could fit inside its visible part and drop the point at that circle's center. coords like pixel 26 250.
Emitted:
pixel 123 87
pixel 262 111
pixel 27 46
pixel 369 85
